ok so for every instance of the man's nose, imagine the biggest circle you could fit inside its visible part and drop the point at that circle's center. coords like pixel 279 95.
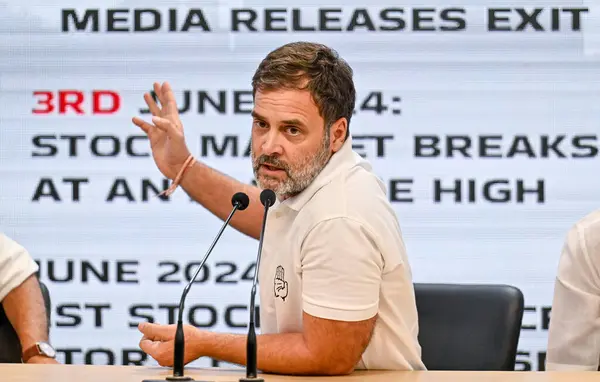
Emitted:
pixel 272 144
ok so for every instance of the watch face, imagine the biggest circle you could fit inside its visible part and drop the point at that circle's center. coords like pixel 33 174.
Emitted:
pixel 47 350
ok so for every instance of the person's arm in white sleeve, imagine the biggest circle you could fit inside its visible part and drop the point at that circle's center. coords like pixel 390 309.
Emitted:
pixel 21 296
pixel 574 332
pixel 341 280
pixel 341 271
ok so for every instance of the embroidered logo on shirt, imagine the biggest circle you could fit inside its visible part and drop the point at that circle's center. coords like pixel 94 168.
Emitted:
pixel 281 286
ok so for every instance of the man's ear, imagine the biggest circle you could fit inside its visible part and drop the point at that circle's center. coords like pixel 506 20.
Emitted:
pixel 337 134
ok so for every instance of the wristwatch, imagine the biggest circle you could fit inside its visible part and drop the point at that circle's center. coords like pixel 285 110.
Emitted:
pixel 39 348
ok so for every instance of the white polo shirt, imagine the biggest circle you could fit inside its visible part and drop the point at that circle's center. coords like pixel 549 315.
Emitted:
pixel 336 252
pixel 574 332
pixel 15 265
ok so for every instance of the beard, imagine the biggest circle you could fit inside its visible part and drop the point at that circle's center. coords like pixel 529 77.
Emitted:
pixel 299 175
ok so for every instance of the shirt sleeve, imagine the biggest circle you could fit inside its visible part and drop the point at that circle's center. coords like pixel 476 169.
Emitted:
pixel 15 265
pixel 341 271
pixel 574 332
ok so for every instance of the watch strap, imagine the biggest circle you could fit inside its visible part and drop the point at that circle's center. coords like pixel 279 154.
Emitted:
pixel 33 351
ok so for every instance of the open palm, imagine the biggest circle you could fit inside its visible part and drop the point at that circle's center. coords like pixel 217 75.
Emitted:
pixel 166 136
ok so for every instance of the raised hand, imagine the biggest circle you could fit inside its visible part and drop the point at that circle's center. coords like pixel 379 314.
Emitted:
pixel 281 286
pixel 167 140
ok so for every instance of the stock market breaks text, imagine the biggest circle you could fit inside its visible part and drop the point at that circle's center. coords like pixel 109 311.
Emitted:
pixel 100 146
pixel 234 146
pixel 499 146
pixel 280 19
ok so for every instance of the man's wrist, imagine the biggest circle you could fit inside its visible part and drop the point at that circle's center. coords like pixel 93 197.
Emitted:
pixel 188 178
pixel 38 349
pixel 196 343
pixel 189 162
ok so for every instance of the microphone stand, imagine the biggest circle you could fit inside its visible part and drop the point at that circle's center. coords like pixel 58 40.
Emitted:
pixel 179 347
pixel 267 198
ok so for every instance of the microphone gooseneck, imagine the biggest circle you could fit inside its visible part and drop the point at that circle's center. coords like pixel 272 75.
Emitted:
pixel 267 198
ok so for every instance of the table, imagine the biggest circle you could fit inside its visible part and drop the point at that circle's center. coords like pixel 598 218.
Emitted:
pixel 95 373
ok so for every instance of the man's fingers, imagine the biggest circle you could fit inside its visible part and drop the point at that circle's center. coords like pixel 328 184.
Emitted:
pixel 142 125
pixel 158 92
pixel 170 105
pixel 148 346
pixel 149 331
pixel 156 332
pixel 152 106
pixel 162 353
pixel 165 125
pixel 150 130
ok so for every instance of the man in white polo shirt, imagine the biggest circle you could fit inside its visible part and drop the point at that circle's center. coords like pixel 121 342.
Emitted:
pixel 574 332
pixel 23 305
pixel 336 290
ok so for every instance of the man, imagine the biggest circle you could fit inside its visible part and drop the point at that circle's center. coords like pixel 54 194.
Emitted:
pixel 23 303
pixel 336 291
pixel 574 332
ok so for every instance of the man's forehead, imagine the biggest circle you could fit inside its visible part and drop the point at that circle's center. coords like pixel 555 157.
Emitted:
pixel 279 92
pixel 283 107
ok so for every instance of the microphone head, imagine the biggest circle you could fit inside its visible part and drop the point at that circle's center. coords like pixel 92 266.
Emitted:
pixel 267 197
pixel 241 200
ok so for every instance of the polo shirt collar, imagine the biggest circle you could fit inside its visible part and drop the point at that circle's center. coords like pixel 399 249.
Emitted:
pixel 341 160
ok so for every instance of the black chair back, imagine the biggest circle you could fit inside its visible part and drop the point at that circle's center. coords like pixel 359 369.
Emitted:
pixel 469 327
pixel 10 346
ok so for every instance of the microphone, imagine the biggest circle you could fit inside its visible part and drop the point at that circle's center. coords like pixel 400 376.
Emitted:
pixel 240 202
pixel 267 198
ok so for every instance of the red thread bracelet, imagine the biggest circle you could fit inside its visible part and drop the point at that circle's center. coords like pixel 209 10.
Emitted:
pixel 189 162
